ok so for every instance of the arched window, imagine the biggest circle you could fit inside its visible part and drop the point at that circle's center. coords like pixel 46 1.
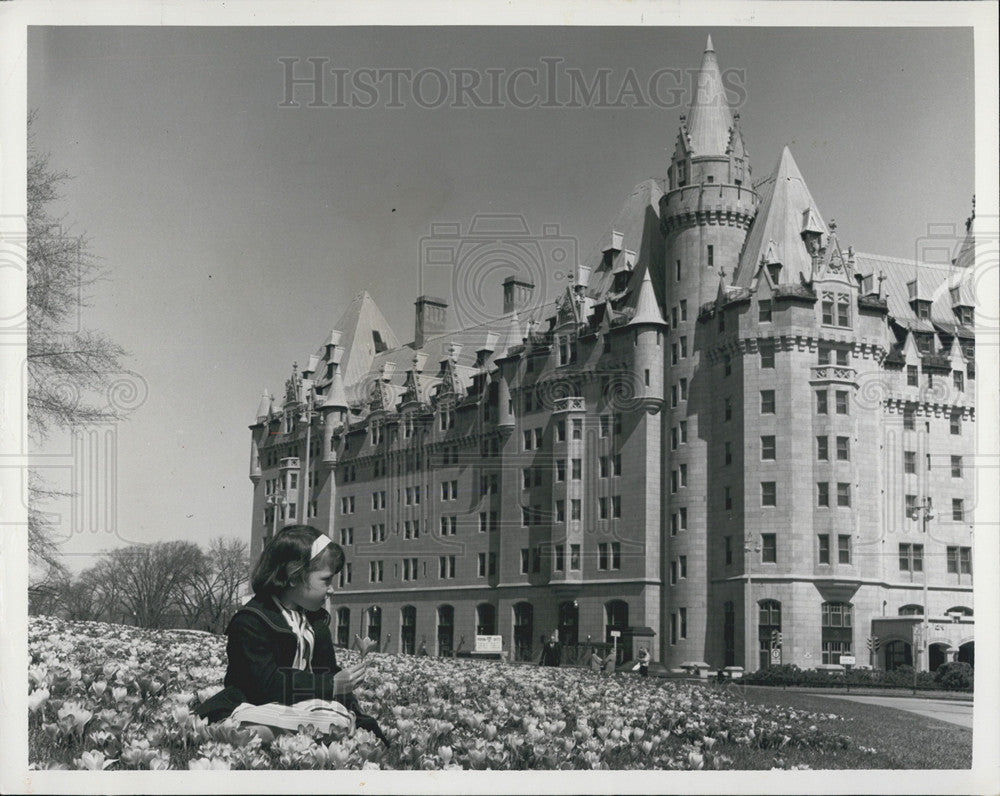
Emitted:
pixel 768 624
pixel 616 619
pixel 373 618
pixel 898 653
pixel 486 619
pixel 959 609
pixel 343 626
pixel 446 630
pixel 407 629
pixel 837 620
pixel 569 622
pixel 523 631
pixel 912 609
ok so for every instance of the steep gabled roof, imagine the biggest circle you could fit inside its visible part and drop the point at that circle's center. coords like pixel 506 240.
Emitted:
pixel 933 283
pixel 366 333
pixel 710 118
pixel 776 232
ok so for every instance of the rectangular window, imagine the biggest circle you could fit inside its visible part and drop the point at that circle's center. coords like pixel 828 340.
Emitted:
pixel 728 408
pixel 673 354
pixel 605 425
pixel 682 615
pixel 823 448
pixel 955 424
pixel 911 558
pixel 602 508
pixel 602 555
pixel 684 431
pixel 821 405
pixel 577 471
pixel 684 347
pixel 683 469
pixel 909 462
pixel 526 478
pixel 824 549
pixel 673 396
pixel 559 558
pixel 711 256
pixel 729 550
pixel 960 560
pixel 560 470
pixel 602 466
pixel 768 450
pixel 577 428
pixel 684 309
pixel 769 548
pixel 843 311
pixel 958 509
pixel 768 493
pixel 684 389
pixel 767 356
pixel 560 431
pixel 843 494
pixel 823 494
pixel 764 311
pixel 483 523
pixel 844 549
pixel 574 506
pixel 574 557
pixel 912 377
pixel 682 514
pixel 616 506
pixel 524 560
pixel 677 269
pixel 958 378
pixel 673 573
pixel 767 402
pixel 616 555
pixel 728 453
pixel 481 571
pixel 842 405
pixel 728 498
pixel 560 511
pixel 843 449
pixel 956 466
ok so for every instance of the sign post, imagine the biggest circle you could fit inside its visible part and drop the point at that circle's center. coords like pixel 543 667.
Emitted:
pixel 615 635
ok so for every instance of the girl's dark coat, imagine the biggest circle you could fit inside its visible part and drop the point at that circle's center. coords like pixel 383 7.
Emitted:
pixel 261 650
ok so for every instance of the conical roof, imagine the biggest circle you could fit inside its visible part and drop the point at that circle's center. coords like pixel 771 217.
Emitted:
pixel 776 233
pixel 646 308
pixel 366 333
pixel 710 118
pixel 264 407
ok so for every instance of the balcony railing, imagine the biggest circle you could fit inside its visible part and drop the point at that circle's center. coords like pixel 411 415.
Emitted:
pixel 571 404
pixel 839 373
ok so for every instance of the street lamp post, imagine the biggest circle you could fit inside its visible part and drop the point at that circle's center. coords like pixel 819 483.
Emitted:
pixel 922 511
pixel 308 413
pixel 749 546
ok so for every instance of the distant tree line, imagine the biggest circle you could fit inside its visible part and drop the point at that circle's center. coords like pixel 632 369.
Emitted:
pixel 161 585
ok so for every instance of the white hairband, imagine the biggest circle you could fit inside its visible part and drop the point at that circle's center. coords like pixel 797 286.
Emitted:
pixel 319 545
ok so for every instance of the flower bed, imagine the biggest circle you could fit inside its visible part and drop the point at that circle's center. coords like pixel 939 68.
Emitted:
pixel 110 697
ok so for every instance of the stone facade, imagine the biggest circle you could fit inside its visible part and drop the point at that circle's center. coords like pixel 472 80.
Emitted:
pixel 730 435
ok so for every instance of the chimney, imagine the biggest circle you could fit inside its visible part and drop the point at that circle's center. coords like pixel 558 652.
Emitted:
pixel 430 319
pixel 516 294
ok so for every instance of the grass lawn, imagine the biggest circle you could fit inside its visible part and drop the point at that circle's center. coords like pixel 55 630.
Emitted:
pixel 899 739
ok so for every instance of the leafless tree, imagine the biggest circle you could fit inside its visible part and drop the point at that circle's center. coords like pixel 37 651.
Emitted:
pixel 212 594
pixel 69 367
pixel 146 582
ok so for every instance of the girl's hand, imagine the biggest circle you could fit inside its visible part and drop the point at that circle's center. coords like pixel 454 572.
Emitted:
pixel 347 679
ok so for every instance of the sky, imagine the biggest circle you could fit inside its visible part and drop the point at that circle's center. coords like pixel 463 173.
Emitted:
pixel 233 230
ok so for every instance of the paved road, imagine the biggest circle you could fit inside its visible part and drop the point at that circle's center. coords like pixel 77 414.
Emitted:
pixel 954 712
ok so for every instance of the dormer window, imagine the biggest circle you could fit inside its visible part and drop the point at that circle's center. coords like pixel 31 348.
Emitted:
pixel 966 315
pixel 682 175
pixel 922 308
pixel 836 310
pixel 925 343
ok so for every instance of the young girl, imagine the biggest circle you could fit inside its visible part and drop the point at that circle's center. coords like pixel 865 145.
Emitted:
pixel 280 649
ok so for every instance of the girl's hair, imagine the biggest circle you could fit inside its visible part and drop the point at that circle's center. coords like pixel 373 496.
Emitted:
pixel 285 559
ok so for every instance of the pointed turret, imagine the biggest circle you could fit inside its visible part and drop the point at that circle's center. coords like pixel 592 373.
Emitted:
pixel 264 407
pixel 787 224
pixel 710 119
pixel 366 333
pixel 647 310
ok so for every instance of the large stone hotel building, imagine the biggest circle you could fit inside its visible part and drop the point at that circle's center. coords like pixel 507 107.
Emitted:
pixel 732 439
